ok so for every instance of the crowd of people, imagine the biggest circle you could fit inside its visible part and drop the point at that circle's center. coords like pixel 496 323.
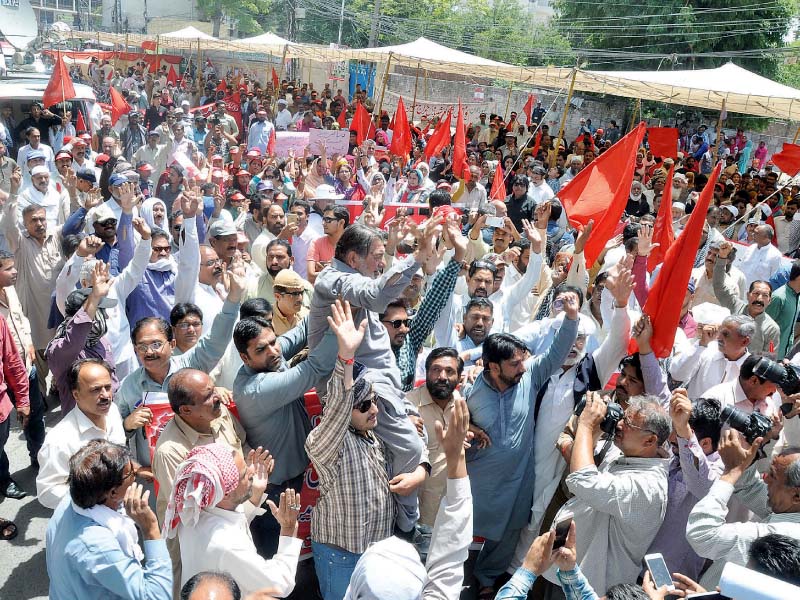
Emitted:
pixel 171 258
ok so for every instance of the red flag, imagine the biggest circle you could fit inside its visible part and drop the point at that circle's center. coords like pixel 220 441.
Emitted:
pixel 600 192
pixel 498 184
pixel 118 105
pixel 342 119
pixel 272 143
pixel 788 159
pixel 401 139
pixel 537 143
pixel 233 104
pixel 362 123
pixel 663 233
pixel 80 123
pixel 60 86
pixel 222 86
pixel 664 302
pixel 663 141
pixel 528 109
pixel 172 76
pixel 440 137
pixel 770 220
pixel 460 165
pixel 276 83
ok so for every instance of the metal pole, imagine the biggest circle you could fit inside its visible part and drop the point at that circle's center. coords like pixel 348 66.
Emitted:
pixel 637 108
pixel 508 101
pixel 341 24
pixel 385 81
pixel 564 116
pixel 796 135
pixel 414 102
pixel 280 78
pixel 373 30
pixel 719 130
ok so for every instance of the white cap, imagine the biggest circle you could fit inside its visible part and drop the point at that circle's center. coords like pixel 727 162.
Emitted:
pixel 709 313
pixel 679 205
pixel 731 209
pixel 40 170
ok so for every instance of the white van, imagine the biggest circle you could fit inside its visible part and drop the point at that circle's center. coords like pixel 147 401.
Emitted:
pixel 21 92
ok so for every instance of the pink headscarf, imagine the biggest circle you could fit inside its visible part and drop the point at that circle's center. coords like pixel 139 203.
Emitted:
pixel 202 480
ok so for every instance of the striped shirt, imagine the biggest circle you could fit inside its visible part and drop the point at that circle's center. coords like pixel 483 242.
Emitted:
pixel 355 507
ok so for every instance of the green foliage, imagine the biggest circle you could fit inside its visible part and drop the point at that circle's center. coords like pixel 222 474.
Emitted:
pixel 244 12
pixel 665 27
pixel 500 30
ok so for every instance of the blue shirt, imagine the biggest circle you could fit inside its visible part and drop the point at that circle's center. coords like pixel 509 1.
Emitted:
pixel 573 583
pixel 84 560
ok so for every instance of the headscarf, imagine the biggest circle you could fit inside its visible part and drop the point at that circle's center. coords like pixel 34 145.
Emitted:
pixel 313 180
pixel 202 481
pixel 147 213
pixel 744 157
pixel 388 570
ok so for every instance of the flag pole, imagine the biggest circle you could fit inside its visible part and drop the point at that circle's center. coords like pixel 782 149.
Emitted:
pixel 280 78
pixel 63 94
pixel 796 135
pixel 564 115
pixel 719 130
pixel 414 101
pixel 508 100
pixel 385 81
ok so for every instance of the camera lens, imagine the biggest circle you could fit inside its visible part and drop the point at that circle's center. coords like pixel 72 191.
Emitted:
pixel 734 417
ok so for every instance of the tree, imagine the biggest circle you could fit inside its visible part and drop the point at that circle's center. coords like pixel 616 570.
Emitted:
pixel 662 28
pixel 244 13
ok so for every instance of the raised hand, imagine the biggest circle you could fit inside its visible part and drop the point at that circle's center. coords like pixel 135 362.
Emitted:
pixel 16 180
pixel 643 333
pixel 71 181
pixel 128 196
pixel 89 245
pixel 453 437
pixel 426 238
pixel 571 305
pixel 142 228
pixel 457 239
pixel 92 198
pixel 138 509
pixel 645 237
pixel 542 214
pixel 583 237
pixel 100 279
pixel 539 556
pixel 348 335
pixel 725 249
pixel 620 284
pixel 566 556
pixel 263 463
pixel 286 512
pixel 537 238
pixel 190 202
pixel 736 457
pixel 236 277
pixel 680 409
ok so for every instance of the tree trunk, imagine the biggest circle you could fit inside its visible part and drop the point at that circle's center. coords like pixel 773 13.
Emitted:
pixel 216 22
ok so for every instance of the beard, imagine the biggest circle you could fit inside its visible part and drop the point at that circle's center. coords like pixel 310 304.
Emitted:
pixel 440 390
pixel 574 360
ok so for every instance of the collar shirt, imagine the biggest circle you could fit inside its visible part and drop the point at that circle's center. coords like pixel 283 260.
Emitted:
pixel 300 245
pixel 731 393
pixel 64 440
pixel 700 368
pixel 758 263
pixel 617 513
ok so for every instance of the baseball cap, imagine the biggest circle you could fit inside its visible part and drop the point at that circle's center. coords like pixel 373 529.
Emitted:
pixel 326 192
pixel 77 299
pixel 102 213
pixel 242 172
pixel 154 132
pixel 86 175
pixel 221 228
pixel 63 154
pixel 289 280
pixel 144 166
pixel 34 154
pixel 265 186
pixel 101 159
pixel 731 209
pixel 117 179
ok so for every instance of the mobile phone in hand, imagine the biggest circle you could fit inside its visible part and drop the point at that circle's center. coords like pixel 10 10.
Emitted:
pixel 562 531
pixel 658 571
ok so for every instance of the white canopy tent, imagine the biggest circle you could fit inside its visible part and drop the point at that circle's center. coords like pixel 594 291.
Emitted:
pixel 188 33
pixel 269 39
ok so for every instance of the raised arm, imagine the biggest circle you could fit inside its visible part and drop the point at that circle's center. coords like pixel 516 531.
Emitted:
pixel 189 259
pixel 11 221
pixel 726 294
pixel 542 367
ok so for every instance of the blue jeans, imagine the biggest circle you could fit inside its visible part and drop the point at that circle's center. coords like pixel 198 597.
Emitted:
pixel 334 568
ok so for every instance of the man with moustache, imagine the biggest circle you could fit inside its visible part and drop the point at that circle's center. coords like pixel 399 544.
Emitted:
pixel 758 298
pixel 269 397
pixel 278 257
pixel 209 291
pixel 200 418
pixel 435 401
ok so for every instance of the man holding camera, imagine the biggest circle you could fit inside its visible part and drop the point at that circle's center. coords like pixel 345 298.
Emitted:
pixel 775 500
pixel 618 507
pixel 748 392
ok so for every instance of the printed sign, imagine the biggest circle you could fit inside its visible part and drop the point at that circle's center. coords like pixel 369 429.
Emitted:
pixel 334 141
pixel 290 140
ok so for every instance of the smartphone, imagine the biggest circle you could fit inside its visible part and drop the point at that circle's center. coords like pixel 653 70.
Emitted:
pixel 659 571
pixel 495 221
pixel 562 531
pixel 709 596
pixel 291 219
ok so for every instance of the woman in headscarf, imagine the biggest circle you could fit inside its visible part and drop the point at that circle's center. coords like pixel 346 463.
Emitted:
pixel 744 157
pixel 412 191
pixel 344 182
pixel 154 213
pixel 318 174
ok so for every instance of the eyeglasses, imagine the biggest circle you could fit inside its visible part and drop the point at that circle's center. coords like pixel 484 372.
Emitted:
pixel 397 323
pixel 294 294
pixel 329 219
pixel 162 249
pixel 177 227
pixel 151 347
pixel 108 223
pixel 628 423
pixel 211 263
pixel 186 325
pixel 365 405
pixel 131 474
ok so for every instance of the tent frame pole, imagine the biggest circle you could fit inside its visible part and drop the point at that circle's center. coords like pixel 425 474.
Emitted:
pixel 796 135
pixel 280 78
pixel 637 109
pixel 385 82
pixel 719 130
pixel 564 116
pixel 414 101
pixel 508 101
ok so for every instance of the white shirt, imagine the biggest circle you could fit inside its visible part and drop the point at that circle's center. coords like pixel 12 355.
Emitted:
pixel 221 541
pixel 540 193
pixel 782 233
pixel 282 119
pixel 758 263
pixel 702 368
pixel 64 440
pixel 209 301
pixel 731 393
pixel 55 203
pixel 472 200
pixel 300 245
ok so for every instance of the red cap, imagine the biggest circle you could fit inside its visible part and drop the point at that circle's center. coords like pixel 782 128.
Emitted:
pixel 217 157
pixel 63 154
pixel 234 150
pixel 86 137
pixel 242 172
pixel 237 196
pixel 101 159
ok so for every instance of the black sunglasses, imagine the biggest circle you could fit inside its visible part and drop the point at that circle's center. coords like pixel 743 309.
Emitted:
pixel 397 323
pixel 365 405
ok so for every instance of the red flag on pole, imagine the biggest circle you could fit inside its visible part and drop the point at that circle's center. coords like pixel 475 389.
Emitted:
pixel 600 192
pixel 80 123
pixel 272 143
pixel 663 141
pixel 222 86
pixel 663 233
pixel 498 184
pixel 770 220
pixel 60 87
pixel 664 302
pixel 362 123
pixel 460 165
pixel 401 140
pixel 788 159
pixel 440 137
pixel 172 76
pixel 118 105
pixel 276 83
pixel 537 143
pixel 528 110
pixel 342 119
pixel 233 104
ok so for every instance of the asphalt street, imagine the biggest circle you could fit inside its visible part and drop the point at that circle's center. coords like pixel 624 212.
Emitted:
pixel 23 571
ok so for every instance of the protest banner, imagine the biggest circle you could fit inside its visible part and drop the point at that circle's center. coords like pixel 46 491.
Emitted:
pixel 334 141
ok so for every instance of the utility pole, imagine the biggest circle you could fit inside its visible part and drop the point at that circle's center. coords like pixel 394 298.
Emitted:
pixel 373 29
pixel 341 24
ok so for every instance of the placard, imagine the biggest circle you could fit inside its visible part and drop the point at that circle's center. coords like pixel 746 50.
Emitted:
pixel 335 141
pixel 290 140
